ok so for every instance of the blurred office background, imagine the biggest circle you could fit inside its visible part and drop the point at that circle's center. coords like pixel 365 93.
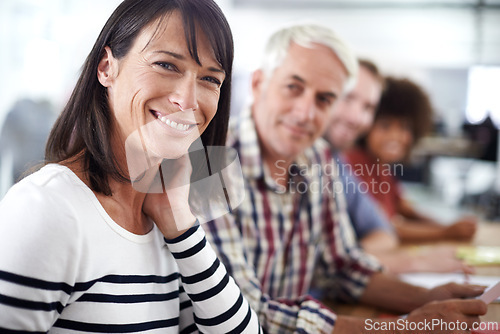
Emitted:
pixel 450 47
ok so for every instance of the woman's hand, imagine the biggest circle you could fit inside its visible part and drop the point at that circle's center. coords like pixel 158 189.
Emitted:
pixel 170 209
pixel 439 259
pixel 462 229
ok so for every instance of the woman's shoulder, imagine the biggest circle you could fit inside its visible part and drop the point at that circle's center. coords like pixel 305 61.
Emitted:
pixel 356 155
pixel 52 178
pixel 51 191
pixel 41 227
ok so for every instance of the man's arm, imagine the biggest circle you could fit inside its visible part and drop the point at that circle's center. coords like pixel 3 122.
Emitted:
pixel 373 230
pixel 304 315
pixel 379 241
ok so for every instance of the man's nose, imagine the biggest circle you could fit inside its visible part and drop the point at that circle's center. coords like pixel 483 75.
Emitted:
pixel 305 108
pixel 354 115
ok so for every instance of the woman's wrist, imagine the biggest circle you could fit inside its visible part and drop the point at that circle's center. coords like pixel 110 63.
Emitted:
pixel 175 222
pixel 173 236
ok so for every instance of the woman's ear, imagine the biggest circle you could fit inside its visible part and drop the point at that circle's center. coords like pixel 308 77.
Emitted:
pixel 107 68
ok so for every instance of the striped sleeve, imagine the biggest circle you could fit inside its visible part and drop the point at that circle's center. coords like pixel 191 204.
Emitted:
pixel 218 305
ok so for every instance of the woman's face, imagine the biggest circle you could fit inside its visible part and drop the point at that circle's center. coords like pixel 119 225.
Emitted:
pixel 390 139
pixel 161 99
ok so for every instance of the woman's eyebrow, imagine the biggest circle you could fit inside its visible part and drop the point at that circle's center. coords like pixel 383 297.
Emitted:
pixel 170 53
pixel 215 69
pixel 181 57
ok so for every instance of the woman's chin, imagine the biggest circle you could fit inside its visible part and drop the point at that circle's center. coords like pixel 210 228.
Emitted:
pixel 392 159
pixel 169 153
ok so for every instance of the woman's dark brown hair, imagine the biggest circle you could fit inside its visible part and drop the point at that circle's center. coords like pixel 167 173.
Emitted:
pixel 84 125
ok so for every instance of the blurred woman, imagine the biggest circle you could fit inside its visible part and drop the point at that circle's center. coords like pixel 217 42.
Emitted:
pixel 403 116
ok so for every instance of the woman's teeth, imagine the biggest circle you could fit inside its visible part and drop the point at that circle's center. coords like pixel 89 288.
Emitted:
pixel 175 125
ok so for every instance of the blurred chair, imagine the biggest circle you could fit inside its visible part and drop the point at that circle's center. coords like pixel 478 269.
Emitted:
pixel 462 181
pixel 22 139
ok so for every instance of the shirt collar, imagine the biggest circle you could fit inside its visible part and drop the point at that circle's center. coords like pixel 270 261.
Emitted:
pixel 243 137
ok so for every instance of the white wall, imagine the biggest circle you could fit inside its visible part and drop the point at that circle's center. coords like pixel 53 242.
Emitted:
pixel 432 45
pixel 44 42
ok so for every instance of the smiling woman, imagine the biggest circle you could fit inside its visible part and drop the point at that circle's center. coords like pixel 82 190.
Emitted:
pixel 94 254
pixel 85 123
pixel 159 89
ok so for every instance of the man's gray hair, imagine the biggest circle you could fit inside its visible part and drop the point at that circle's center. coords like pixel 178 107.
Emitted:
pixel 304 35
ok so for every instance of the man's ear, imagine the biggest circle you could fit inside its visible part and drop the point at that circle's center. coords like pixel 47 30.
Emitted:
pixel 107 68
pixel 257 83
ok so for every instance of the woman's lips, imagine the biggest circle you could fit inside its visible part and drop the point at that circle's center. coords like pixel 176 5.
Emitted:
pixel 177 124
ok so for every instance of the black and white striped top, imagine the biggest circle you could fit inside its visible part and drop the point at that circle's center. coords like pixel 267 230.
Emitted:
pixel 66 267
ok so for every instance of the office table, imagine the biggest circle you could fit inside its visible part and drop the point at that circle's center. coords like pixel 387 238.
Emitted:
pixel 488 234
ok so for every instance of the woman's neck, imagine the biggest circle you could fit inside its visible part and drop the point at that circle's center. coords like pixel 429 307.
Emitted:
pixel 124 206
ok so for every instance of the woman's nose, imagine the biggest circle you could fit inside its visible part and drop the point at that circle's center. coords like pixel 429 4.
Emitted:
pixel 185 95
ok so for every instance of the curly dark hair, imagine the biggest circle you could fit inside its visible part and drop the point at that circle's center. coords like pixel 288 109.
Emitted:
pixel 404 99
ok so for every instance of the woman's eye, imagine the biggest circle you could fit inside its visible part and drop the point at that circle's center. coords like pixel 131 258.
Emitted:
pixel 385 125
pixel 212 80
pixel 167 66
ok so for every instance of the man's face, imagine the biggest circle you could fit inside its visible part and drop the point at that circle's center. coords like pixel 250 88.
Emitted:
pixel 293 104
pixel 354 113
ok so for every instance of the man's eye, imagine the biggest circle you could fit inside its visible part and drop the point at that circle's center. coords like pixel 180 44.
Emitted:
pixel 324 100
pixel 293 89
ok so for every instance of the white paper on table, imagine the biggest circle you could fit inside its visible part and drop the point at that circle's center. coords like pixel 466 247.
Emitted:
pixel 431 280
pixel 491 294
